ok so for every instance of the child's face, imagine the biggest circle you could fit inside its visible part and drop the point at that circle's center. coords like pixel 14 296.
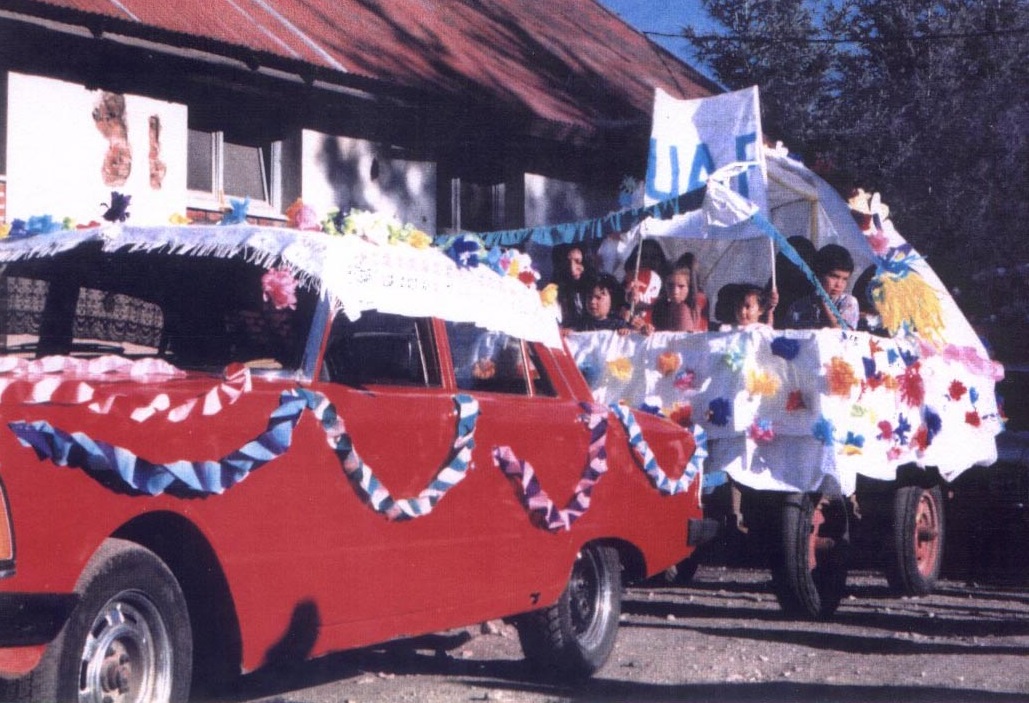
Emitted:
pixel 749 310
pixel 835 282
pixel 599 305
pixel 678 287
pixel 575 264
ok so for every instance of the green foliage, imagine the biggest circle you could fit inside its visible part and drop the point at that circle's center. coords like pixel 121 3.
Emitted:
pixel 926 102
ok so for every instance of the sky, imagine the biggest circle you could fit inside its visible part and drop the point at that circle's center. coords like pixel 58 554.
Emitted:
pixel 668 16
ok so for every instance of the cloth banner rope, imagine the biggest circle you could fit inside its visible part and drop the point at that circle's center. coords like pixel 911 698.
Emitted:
pixel 648 462
pixel 542 510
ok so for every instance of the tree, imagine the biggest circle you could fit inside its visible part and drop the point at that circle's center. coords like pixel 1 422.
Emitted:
pixel 925 102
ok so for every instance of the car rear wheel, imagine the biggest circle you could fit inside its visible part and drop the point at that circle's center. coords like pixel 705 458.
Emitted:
pixel 574 637
pixel 916 551
pixel 128 639
pixel 810 572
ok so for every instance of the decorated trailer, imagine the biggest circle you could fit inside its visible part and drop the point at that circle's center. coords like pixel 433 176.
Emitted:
pixel 824 436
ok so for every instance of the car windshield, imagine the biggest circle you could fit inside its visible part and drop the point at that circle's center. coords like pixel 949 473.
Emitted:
pixel 197 313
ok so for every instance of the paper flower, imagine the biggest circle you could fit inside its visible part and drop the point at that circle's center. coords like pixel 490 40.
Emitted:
pixel 762 383
pixel 466 251
pixel 853 443
pixel 786 348
pixel 280 287
pixel 684 380
pixel 650 409
pixel 840 376
pixel 734 358
pixel 419 239
pixel 920 440
pixel 668 363
pixel 5 229
pixel 682 414
pixel 177 218
pixel 879 242
pixel 795 401
pixel 902 429
pixel 118 210
pixel 885 430
pixel 823 431
pixel 719 411
pixel 933 424
pixel 761 431
pixel 548 296
pixel 912 388
pixel 957 390
pixel 620 368
pixel 972 418
pixel 973 395
pixel 237 212
pixel 303 217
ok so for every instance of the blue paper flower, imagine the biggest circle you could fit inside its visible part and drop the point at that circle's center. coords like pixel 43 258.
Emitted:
pixel 973 395
pixel 823 431
pixel 719 411
pixel 466 251
pixel 869 364
pixel 118 210
pixel 786 348
pixel 902 429
pixel 590 373
pixel 908 357
pixel 652 409
pixel 933 423
pixel 854 440
pixel 237 213
pixel 734 358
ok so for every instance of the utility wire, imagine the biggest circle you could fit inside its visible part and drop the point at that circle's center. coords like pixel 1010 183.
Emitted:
pixel 764 39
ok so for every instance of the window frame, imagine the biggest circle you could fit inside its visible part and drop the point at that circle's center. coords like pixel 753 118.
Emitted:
pixel 217 199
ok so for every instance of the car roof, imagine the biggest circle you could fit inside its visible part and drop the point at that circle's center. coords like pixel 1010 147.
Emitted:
pixel 355 273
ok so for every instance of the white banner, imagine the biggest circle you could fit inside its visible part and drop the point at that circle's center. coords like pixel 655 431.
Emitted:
pixel 691 139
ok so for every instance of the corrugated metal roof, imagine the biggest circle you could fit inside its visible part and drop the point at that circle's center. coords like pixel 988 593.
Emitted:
pixel 565 61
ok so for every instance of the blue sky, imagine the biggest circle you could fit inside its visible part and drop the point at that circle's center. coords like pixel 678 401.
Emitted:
pixel 662 16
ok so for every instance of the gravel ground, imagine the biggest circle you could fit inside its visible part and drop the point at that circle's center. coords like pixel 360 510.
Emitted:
pixel 721 638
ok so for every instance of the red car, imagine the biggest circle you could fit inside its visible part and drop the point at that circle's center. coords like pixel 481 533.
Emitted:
pixel 228 448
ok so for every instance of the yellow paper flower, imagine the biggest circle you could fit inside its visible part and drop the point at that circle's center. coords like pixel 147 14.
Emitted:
pixel 668 363
pixel 5 229
pixel 548 296
pixel 762 383
pixel 620 368
pixel 419 239
pixel 840 376
pixel 179 219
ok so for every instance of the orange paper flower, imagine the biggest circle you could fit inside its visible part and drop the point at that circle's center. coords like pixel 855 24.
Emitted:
pixel 668 363
pixel 840 376
pixel 762 383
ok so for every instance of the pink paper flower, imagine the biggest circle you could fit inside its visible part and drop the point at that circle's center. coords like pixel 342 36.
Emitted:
pixel 279 287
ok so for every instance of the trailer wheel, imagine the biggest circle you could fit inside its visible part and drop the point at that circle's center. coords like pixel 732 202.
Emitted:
pixel 573 638
pixel 809 573
pixel 915 553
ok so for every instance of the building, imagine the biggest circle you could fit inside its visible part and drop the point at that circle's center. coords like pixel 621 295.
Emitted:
pixel 451 115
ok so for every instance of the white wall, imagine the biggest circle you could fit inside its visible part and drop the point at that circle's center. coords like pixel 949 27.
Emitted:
pixel 56 153
pixel 338 173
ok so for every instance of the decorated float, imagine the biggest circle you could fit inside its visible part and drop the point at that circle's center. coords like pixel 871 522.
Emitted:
pixel 823 436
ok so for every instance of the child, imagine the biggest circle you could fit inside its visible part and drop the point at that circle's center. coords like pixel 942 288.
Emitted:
pixel 682 308
pixel 574 277
pixel 601 305
pixel 748 304
pixel 833 267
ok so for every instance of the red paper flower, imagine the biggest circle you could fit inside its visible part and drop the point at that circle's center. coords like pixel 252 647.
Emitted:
pixel 912 388
pixel 682 414
pixel 795 401
pixel 279 286
pixel 973 419
pixel 885 430
pixel 957 389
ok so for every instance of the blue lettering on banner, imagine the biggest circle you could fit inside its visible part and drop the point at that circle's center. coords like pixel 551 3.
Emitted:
pixel 703 166
pixel 651 182
pixel 744 144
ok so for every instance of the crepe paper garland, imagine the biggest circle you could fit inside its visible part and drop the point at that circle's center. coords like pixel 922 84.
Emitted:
pixel 648 462
pixel 363 479
pixel 542 510
pixel 103 460
pixel 42 381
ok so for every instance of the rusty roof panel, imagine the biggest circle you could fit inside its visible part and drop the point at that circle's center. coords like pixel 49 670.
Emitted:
pixel 565 61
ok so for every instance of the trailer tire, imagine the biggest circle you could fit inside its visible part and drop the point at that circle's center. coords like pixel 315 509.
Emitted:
pixel 915 551
pixel 809 572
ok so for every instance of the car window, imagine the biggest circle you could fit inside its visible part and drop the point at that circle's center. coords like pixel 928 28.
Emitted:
pixel 197 313
pixel 380 348
pixel 485 360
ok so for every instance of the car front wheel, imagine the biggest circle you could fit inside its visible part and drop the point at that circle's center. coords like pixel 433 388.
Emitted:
pixel 574 637
pixel 128 639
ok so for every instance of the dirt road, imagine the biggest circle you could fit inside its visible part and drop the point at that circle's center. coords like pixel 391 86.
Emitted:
pixel 722 638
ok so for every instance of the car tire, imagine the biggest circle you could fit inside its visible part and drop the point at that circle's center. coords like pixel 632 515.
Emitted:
pixel 573 638
pixel 915 552
pixel 128 639
pixel 810 569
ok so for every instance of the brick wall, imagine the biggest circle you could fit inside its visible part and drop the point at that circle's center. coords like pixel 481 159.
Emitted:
pixel 213 217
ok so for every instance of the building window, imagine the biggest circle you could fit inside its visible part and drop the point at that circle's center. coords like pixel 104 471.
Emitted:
pixel 219 168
